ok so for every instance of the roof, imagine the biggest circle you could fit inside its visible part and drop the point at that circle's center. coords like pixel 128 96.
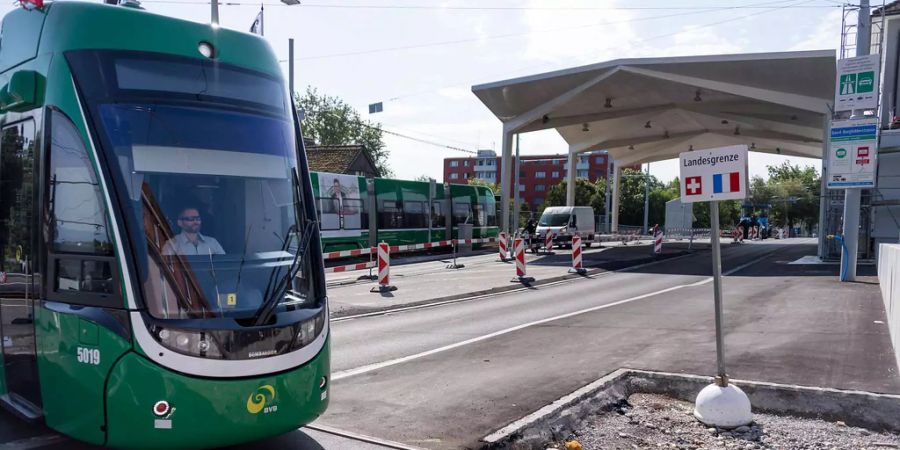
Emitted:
pixel 892 9
pixel 652 109
pixel 335 158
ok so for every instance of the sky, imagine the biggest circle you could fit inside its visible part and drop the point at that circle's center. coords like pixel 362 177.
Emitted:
pixel 421 57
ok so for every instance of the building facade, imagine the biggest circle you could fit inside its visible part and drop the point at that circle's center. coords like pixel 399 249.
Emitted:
pixel 537 173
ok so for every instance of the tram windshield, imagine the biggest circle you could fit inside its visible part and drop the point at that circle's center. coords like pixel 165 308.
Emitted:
pixel 204 161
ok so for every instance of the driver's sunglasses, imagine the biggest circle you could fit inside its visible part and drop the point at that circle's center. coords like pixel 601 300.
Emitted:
pixel 190 218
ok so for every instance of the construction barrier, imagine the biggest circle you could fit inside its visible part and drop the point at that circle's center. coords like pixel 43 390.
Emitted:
pixel 519 249
pixel 577 266
pixel 384 269
pixel 408 247
pixel 393 249
pixel 350 267
pixel 657 242
pixel 548 243
pixel 502 247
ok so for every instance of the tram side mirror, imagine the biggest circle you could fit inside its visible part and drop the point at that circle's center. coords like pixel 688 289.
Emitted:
pixel 22 93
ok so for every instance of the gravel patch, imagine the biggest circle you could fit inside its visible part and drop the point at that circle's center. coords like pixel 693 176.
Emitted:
pixel 655 421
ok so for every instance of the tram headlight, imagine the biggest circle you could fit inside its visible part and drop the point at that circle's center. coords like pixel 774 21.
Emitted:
pixel 309 329
pixel 194 343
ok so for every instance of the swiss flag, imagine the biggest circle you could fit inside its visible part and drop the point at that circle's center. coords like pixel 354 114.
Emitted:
pixel 693 185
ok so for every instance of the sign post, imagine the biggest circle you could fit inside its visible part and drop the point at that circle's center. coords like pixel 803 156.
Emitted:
pixel 714 175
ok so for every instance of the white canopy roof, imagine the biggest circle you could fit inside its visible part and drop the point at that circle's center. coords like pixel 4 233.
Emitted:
pixel 652 109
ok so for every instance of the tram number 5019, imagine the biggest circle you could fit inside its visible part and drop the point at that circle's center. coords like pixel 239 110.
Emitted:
pixel 89 355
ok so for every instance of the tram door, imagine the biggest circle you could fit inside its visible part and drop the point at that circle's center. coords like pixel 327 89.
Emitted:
pixel 17 154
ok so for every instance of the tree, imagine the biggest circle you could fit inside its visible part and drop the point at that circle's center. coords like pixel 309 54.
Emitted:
pixel 329 120
pixel 423 178
pixel 585 192
pixel 796 195
pixel 478 182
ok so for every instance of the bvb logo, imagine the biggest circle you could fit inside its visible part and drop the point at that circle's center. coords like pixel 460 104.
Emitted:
pixel 257 401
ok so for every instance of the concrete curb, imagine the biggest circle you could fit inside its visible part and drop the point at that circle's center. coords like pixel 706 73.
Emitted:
pixel 499 290
pixel 558 420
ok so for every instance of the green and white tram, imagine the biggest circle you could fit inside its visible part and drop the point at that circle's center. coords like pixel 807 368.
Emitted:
pixel 406 212
pixel 161 284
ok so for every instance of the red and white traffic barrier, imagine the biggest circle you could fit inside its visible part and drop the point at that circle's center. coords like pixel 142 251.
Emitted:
pixel 548 242
pixel 657 241
pixel 502 247
pixel 384 269
pixel 350 267
pixel 348 253
pixel 577 266
pixel 519 249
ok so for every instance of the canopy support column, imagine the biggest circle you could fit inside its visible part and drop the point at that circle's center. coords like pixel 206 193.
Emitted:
pixel 617 175
pixel 505 185
pixel 570 178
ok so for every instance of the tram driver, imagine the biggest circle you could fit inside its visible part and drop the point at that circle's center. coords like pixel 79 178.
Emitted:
pixel 190 241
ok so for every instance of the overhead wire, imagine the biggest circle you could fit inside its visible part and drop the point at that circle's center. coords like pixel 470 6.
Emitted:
pixel 637 41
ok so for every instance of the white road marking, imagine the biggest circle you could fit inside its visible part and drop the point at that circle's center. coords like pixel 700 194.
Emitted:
pixel 568 279
pixel 392 362
pixel 360 437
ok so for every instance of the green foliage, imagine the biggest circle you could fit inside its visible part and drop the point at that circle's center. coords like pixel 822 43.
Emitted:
pixel 331 121
pixel 796 192
pixel 729 214
pixel 493 186
pixel 631 199
pixel 585 194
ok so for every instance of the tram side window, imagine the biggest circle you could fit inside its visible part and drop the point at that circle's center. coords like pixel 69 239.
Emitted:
pixel 462 213
pixel 81 251
pixel 437 215
pixel 390 215
pixel 346 214
pixel 491 207
pixel 479 217
pixel 414 214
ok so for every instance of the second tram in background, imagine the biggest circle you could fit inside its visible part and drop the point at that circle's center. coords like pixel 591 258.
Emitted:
pixel 405 212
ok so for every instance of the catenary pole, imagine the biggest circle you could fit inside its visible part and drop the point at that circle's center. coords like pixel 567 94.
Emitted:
pixel 516 194
pixel 853 197
pixel 647 200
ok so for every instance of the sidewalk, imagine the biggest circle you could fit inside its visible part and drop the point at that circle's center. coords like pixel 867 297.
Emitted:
pixel 431 281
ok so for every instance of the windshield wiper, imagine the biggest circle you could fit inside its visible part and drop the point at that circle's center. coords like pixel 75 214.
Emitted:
pixel 271 302
pixel 265 310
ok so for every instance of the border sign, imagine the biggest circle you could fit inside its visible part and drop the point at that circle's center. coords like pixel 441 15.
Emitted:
pixel 852 154
pixel 857 83
pixel 714 174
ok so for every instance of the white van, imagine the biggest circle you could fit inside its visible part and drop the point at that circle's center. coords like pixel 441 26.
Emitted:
pixel 564 221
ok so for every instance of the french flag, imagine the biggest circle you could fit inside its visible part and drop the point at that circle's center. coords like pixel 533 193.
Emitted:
pixel 726 182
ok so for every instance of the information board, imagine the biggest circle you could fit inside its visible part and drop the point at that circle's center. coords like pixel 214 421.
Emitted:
pixel 857 83
pixel 852 154
pixel 714 174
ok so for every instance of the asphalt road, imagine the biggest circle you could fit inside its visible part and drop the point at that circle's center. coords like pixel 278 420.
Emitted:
pixel 444 376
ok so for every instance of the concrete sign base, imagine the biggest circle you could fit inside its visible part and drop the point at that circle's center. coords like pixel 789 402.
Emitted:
pixel 723 407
